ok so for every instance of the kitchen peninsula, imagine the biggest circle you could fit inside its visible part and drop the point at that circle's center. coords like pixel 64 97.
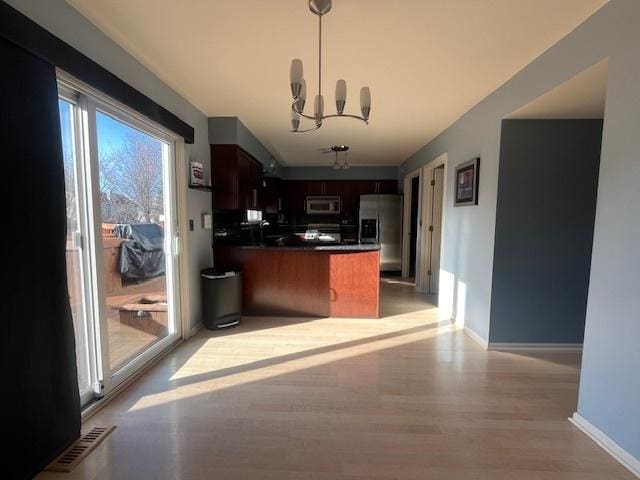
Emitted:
pixel 298 242
pixel 316 281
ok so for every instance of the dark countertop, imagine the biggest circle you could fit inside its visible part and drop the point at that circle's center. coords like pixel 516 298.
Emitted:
pixel 356 247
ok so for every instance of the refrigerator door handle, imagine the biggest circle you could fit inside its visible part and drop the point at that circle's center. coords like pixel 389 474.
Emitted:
pixel 378 219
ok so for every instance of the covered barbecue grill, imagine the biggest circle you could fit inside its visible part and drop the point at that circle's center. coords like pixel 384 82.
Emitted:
pixel 142 252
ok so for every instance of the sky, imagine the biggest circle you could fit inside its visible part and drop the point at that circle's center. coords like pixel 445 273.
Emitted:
pixel 111 133
pixel 112 136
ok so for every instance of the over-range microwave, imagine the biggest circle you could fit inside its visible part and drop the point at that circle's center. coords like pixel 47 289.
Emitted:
pixel 323 205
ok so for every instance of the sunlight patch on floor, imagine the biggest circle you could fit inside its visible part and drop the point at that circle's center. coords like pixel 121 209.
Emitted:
pixel 275 367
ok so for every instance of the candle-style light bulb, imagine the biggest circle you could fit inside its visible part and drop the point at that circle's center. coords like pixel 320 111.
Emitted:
pixel 295 121
pixel 318 109
pixel 296 77
pixel 346 165
pixel 302 98
pixel 365 102
pixel 336 164
pixel 341 95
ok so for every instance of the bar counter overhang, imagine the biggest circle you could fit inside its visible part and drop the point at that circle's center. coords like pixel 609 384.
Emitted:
pixel 319 281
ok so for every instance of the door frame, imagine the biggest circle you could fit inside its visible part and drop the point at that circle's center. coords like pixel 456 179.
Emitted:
pixel 406 223
pixel 422 284
pixel 81 241
pixel 90 102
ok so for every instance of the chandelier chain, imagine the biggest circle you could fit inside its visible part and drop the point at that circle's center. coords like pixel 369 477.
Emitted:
pixel 320 55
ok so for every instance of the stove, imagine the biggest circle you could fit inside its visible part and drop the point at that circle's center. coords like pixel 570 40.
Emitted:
pixel 323 232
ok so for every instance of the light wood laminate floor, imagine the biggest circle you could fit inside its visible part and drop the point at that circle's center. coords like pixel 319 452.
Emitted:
pixel 402 397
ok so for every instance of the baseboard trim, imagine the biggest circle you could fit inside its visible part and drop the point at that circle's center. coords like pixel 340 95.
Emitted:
pixel 607 444
pixel 195 329
pixel 556 347
pixel 476 337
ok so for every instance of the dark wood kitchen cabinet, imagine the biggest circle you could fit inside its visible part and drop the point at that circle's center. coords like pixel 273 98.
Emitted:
pixel 316 188
pixel 236 179
pixel 252 192
pixel 332 188
pixel 387 186
pixel 349 195
pixel 275 195
pixel 296 193
pixel 376 187
pixel 349 192
pixel 313 188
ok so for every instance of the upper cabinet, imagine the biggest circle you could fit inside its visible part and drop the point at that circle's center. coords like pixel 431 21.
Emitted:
pixel 238 185
pixel 387 186
pixel 323 187
pixel 373 187
pixel 296 192
pixel 349 191
pixel 236 179
pixel 275 195
pixel 332 188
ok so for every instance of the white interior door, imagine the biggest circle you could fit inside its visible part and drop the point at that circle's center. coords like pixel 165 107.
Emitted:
pixel 437 192
pixel 432 216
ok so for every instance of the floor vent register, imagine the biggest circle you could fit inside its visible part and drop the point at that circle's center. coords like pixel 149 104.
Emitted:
pixel 72 456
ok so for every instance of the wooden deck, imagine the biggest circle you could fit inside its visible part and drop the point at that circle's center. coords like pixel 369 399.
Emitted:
pixel 126 342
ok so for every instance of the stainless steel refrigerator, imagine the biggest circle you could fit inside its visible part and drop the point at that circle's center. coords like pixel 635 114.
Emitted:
pixel 381 222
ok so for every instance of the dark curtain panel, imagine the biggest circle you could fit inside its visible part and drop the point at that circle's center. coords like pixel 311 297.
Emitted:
pixel 41 411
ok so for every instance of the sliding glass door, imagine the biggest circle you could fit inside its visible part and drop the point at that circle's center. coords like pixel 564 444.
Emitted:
pixel 75 254
pixel 122 238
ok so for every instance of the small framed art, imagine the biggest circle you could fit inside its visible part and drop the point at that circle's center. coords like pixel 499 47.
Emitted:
pixel 467 181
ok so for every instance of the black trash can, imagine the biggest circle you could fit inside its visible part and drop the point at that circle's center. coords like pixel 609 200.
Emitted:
pixel 221 298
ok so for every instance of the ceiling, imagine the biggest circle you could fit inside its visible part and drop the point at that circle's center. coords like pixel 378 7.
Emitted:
pixel 426 61
pixel 582 96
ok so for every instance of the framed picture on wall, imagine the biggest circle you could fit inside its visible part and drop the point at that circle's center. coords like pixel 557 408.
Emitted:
pixel 467 181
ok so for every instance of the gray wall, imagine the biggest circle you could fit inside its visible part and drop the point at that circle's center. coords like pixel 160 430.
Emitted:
pixel 231 130
pixel 66 23
pixel 223 130
pixel 251 144
pixel 610 379
pixel 547 186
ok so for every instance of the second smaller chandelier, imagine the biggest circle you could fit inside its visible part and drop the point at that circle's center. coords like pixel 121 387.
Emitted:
pixel 299 86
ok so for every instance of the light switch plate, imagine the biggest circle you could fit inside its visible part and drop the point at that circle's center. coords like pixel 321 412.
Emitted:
pixel 207 221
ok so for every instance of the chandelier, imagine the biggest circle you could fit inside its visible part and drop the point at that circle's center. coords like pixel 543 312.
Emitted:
pixel 345 165
pixel 299 86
